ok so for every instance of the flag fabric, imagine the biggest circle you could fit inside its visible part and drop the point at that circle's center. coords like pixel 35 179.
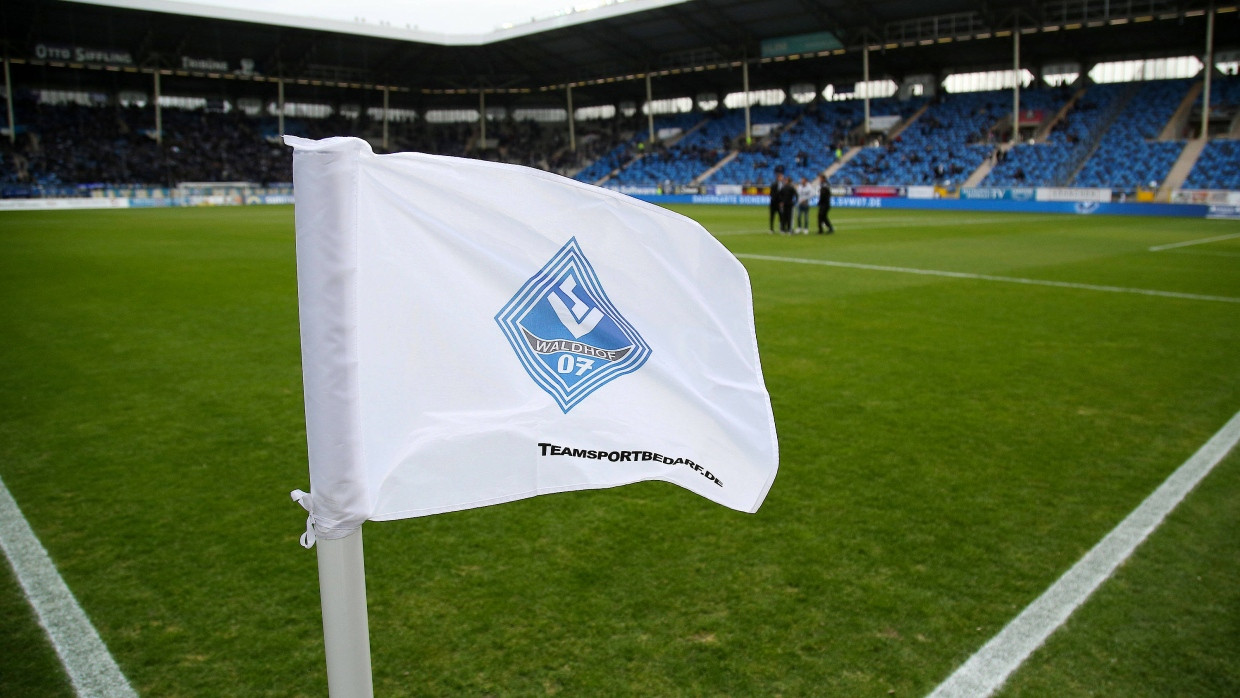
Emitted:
pixel 475 333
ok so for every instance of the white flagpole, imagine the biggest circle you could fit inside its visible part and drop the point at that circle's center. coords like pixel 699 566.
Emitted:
pixel 346 632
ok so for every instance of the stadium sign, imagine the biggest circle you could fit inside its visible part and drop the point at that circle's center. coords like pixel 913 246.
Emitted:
pixel 81 54
pixel 801 43
pixel 884 123
pixel 1224 211
pixel 1100 195
pixel 872 191
pixel 857 201
pixel 998 193
pixel 206 64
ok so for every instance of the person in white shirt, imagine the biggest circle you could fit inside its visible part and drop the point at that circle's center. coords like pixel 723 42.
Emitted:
pixel 805 192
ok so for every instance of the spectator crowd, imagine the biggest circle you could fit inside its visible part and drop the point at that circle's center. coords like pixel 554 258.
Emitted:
pixel 1102 135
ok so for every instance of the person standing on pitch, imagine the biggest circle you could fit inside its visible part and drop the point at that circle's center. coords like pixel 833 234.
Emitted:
pixel 775 187
pixel 824 205
pixel 805 192
pixel 787 200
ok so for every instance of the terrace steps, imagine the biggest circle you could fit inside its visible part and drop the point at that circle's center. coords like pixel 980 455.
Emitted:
pixel 843 160
pixel 1181 169
pixel 908 122
pixel 735 152
pixel 984 169
pixel 685 134
pixel 1045 130
pixel 715 167
pixel 1115 110
pixel 639 156
pixel 891 135
pixel 1174 127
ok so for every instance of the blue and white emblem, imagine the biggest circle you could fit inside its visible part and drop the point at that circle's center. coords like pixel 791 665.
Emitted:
pixel 566 332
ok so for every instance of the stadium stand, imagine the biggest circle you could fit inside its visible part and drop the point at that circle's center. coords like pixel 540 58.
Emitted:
pixel 68 148
pixel 1218 166
pixel 950 140
pixel 1070 141
pixel 76 130
pixel 804 146
pixel 1128 156
pixel 1109 136
pixel 676 160
pixel 1030 163
pixel 73 146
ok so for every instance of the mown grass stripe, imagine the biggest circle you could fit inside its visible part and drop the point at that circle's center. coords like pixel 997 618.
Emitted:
pixel 989 277
pixel 987 670
pixel 91 668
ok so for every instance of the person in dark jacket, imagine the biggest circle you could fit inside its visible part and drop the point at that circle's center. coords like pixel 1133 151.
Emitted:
pixel 824 205
pixel 775 187
pixel 787 201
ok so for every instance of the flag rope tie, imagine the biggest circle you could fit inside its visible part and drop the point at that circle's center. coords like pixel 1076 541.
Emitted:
pixel 303 498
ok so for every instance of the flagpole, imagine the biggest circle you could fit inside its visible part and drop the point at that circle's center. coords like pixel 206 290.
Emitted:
pixel 346 633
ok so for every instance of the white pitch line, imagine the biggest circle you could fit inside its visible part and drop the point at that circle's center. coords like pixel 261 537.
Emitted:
pixel 988 277
pixel 987 670
pixel 91 668
pixel 866 223
pixel 1202 241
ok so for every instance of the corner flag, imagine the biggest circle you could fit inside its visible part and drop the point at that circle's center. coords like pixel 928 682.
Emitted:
pixel 475 333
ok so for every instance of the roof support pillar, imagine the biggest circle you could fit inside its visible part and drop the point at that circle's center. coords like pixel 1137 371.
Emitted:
pixel 1016 82
pixel 1209 69
pixel 649 109
pixel 572 133
pixel 745 91
pixel 386 90
pixel 865 86
pixel 482 120
pixel 8 100
pixel 159 115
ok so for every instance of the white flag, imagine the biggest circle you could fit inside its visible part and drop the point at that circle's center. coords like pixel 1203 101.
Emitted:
pixel 475 333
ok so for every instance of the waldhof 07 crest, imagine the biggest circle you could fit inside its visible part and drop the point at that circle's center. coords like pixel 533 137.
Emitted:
pixel 567 333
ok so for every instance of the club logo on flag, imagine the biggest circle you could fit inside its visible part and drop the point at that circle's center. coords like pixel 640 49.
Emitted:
pixel 567 333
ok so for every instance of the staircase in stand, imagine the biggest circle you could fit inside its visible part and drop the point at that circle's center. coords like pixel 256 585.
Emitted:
pixel 715 167
pixel 735 152
pixel 1181 169
pixel 843 160
pixel 1074 168
pixel 1045 130
pixel 984 169
pixel 1173 130
pixel 891 135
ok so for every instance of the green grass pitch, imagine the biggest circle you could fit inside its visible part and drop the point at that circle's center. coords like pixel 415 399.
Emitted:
pixel 949 447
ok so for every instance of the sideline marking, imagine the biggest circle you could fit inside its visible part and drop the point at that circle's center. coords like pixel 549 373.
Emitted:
pixel 1202 241
pixel 91 668
pixel 987 670
pixel 867 222
pixel 988 277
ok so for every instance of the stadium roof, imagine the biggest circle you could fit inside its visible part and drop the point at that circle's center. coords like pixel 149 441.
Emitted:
pixel 687 48
pixel 385 29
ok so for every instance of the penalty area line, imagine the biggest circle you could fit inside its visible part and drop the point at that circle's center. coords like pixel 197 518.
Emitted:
pixel 91 668
pixel 987 670
pixel 1187 243
pixel 989 277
